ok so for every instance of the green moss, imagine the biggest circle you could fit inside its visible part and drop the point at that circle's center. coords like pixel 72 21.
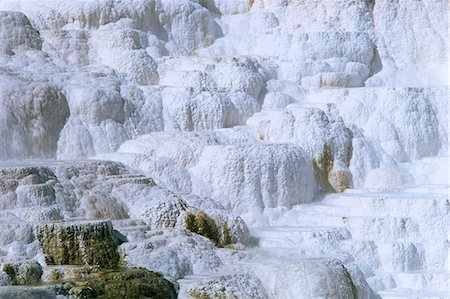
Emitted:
pixel 200 223
pixel 23 273
pixel 350 282
pixel 83 272
pixel 82 292
pixel 11 271
pixel 227 238
pixel 198 294
pixel 190 222
pixel 56 275
pixel 122 261
pixel 128 283
pixel 79 244
pixel 207 227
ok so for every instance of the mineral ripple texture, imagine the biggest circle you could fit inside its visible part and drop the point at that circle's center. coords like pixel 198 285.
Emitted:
pixel 224 149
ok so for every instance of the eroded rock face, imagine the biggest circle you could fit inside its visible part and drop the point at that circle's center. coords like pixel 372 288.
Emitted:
pixel 266 175
pixel 33 114
pixel 30 292
pixel 316 59
pixel 332 274
pixel 196 111
pixel 226 166
pixel 176 23
pixel 392 16
pixel 5 279
pixel 159 208
pixel 34 193
pixel 235 73
pixel 202 224
pixel 98 110
pixel 93 243
pixel 226 7
pixel 128 283
pixel 241 286
pixel 17 240
pixel 104 114
pixel 317 15
pixel 406 122
pixel 174 253
pixel 328 142
pixel 122 51
pixel 59 190
pixel 16 33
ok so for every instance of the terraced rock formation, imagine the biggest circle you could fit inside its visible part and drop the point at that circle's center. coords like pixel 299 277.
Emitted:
pixel 224 149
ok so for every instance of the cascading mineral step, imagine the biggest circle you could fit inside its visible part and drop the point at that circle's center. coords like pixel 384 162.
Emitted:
pixel 291 237
pixel 397 204
pixel 413 294
pixel 422 280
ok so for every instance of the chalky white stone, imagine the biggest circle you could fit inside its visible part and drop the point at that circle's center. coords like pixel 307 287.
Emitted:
pixel 253 113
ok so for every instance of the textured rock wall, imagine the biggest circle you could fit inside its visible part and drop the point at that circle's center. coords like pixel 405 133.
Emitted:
pixel 93 243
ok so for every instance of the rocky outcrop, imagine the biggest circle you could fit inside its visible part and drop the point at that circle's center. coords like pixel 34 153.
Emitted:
pixel 202 224
pixel 328 142
pixel 24 273
pixel 127 283
pixel 63 189
pixel 405 122
pixel 266 175
pixel 174 253
pixel 17 34
pixel 241 286
pixel 35 130
pixel 93 243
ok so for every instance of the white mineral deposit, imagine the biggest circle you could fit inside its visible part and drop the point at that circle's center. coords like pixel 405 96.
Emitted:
pixel 224 149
